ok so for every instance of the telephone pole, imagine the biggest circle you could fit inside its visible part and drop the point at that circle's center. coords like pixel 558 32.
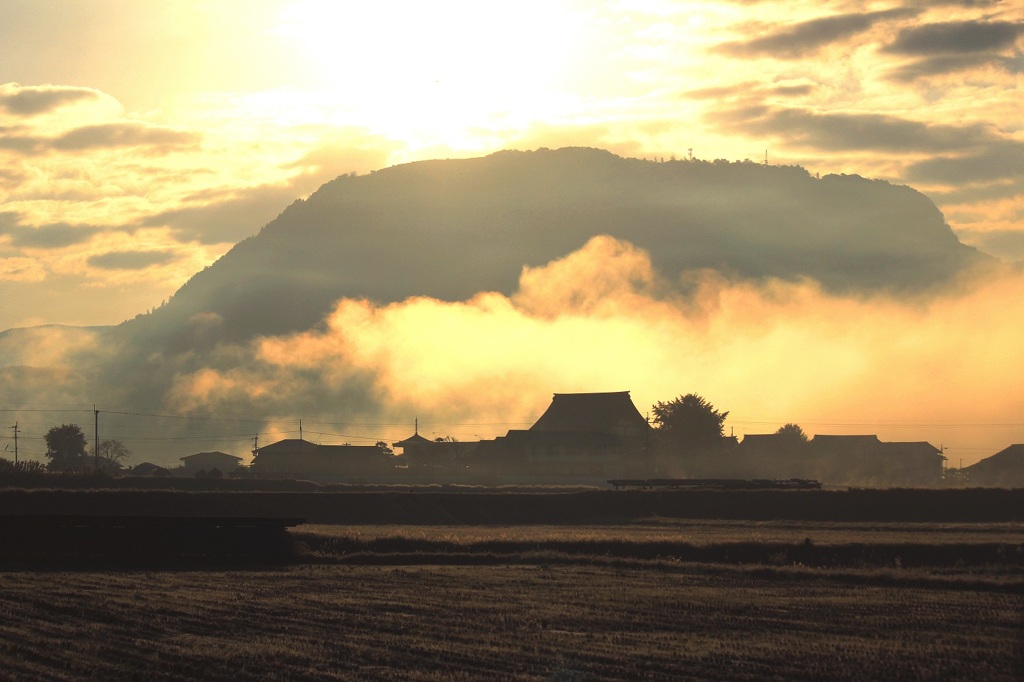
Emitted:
pixel 15 427
pixel 96 438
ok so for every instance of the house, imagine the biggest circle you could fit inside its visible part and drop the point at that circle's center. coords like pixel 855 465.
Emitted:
pixel 580 435
pixel 423 455
pixel 299 458
pixel 207 461
pixel 770 455
pixel 865 460
pixel 149 469
pixel 1005 469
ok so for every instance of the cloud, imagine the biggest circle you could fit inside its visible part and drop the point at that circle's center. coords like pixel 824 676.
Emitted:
pixel 30 101
pixel 995 161
pixel 131 260
pixel 218 216
pixel 1006 244
pixel 18 141
pixel 102 136
pixel 956 37
pixel 750 89
pixel 19 269
pixel 114 135
pixel 225 216
pixel 599 319
pixel 937 66
pixel 801 39
pixel 55 236
pixel 955 46
pixel 843 131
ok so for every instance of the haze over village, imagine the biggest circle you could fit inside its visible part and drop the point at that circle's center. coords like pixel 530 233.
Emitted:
pixel 804 213
pixel 535 340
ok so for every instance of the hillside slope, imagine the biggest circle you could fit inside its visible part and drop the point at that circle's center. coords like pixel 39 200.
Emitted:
pixel 449 229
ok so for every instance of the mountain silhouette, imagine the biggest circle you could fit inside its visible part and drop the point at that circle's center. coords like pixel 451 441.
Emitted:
pixel 448 229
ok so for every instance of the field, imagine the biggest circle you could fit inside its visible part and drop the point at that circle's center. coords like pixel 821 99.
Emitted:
pixel 547 602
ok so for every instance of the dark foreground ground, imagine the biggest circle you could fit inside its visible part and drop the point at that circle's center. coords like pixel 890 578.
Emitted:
pixel 656 599
pixel 499 622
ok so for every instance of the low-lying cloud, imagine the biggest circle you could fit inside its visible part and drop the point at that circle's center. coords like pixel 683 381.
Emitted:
pixel 601 319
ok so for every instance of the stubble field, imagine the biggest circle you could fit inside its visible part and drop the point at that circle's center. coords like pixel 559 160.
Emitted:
pixel 433 603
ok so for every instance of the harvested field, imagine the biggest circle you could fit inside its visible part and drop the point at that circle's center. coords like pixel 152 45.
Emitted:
pixel 541 603
pixel 697 532
pixel 497 622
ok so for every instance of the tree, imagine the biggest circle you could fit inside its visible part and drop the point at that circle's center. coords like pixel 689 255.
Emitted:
pixel 113 454
pixel 792 432
pixel 65 448
pixel 689 423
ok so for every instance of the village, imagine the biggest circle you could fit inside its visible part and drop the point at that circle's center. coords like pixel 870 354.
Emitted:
pixel 596 438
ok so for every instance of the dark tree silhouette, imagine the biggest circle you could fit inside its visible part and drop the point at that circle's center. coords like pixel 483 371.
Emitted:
pixel 689 423
pixel 793 432
pixel 65 448
pixel 113 454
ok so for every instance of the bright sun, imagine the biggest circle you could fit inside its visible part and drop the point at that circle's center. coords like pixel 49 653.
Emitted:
pixel 432 72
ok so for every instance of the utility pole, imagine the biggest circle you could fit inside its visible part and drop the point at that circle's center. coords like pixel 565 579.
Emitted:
pixel 255 443
pixel 96 438
pixel 300 429
pixel 15 427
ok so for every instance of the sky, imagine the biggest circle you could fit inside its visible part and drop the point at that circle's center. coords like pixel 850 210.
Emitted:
pixel 140 141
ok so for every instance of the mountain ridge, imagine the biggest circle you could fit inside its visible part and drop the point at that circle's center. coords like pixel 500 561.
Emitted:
pixel 448 229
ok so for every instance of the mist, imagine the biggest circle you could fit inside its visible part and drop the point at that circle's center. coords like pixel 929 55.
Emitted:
pixel 465 292
pixel 930 368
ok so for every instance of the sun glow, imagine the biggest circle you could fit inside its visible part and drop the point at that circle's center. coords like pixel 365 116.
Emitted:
pixel 433 73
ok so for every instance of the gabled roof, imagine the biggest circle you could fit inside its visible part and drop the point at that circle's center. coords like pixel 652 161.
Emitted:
pixel 845 440
pixel 289 445
pixel 216 455
pixel 1010 459
pixel 299 446
pixel 593 412
pixel 912 447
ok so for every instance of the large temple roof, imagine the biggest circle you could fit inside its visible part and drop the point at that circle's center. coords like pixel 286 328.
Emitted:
pixel 593 412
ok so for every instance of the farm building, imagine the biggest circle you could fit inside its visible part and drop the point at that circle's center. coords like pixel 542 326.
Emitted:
pixel 207 461
pixel 422 455
pixel 1005 469
pixel 149 469
pixel 298 458
pixel 580 435
pixel 770 455
pixel 865 460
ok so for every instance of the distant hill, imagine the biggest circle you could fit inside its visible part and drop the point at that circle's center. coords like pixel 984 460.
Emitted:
pixel 449 229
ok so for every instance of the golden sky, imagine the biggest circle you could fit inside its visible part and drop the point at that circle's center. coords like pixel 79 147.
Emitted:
pixel 140 140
